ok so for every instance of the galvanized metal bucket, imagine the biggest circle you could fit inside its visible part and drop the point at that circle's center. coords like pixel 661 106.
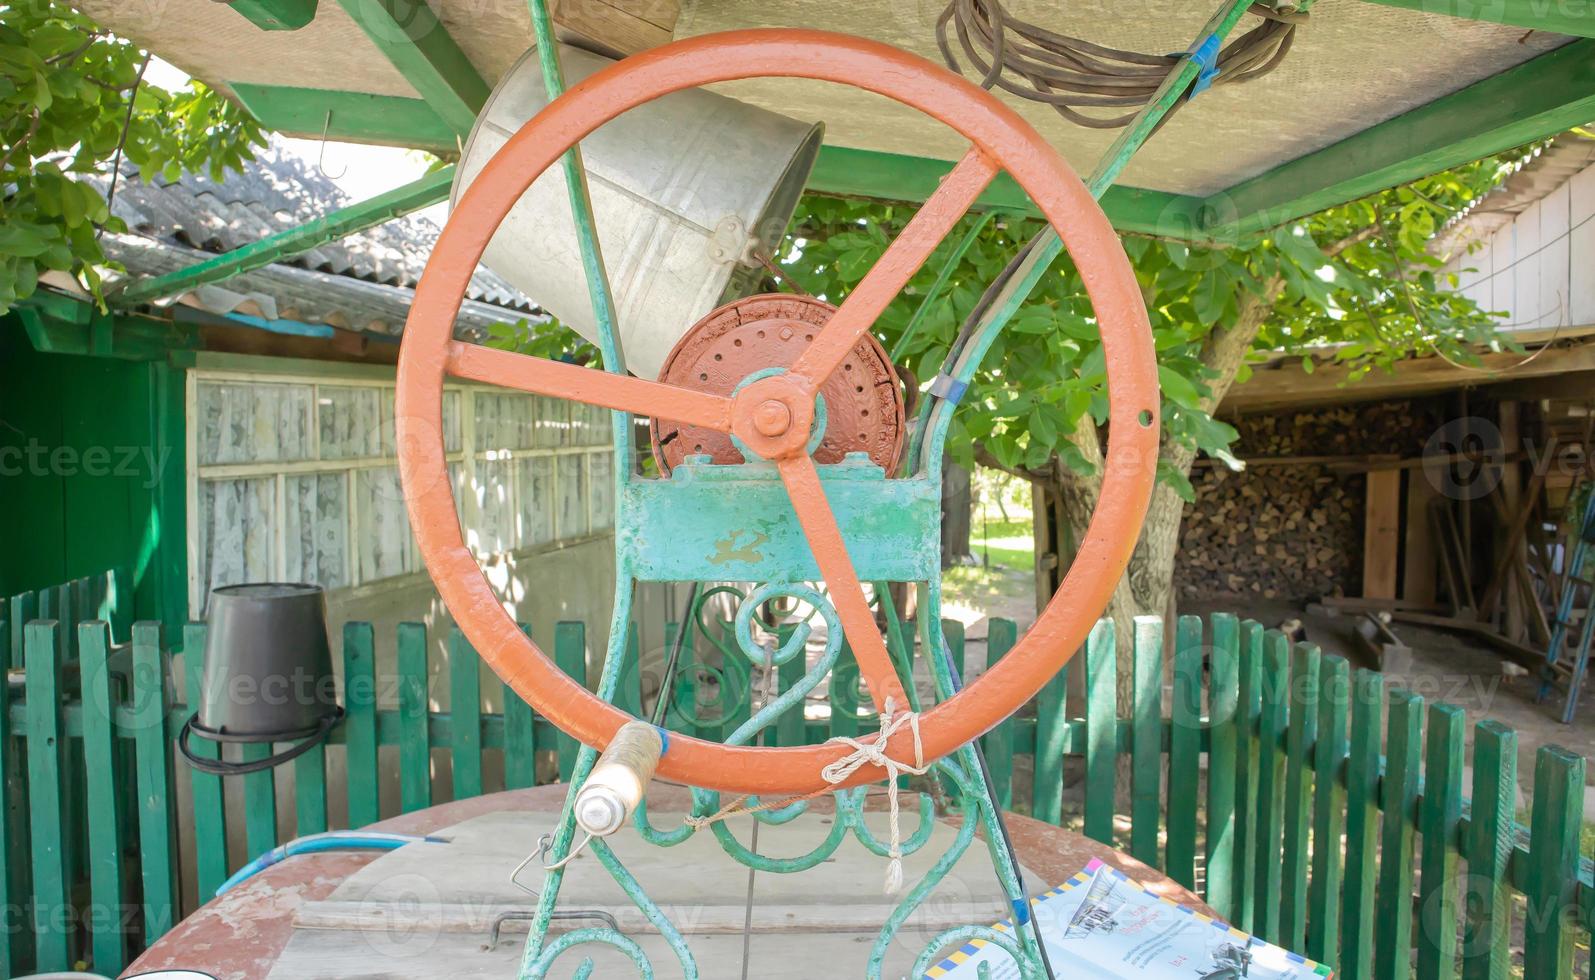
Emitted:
pixel 685 189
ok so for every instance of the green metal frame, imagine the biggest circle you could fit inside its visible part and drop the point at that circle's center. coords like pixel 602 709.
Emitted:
pixel 427 191
pixel 276 15
pixel 1576 18
pixel 1542 97
pixel 410 35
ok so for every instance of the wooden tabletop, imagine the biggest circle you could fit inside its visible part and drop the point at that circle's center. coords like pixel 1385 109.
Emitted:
pixel 241 935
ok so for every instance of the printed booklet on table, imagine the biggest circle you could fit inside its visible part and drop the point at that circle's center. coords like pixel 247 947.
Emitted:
pixel 1102 924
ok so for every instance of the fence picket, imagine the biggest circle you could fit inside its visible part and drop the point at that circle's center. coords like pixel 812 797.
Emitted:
pixel 1329 811
pixel 1101 745
pixel 1001 634
pixel 152 755
pixel 360 724
pixel 46 750
pixel 1248 759
pixel 104 802
pixel 1492 836
pixel 465 716
pixel 1222 695
pixel 520 737
pixel 260 802
pixel 1439 817
pixel 1185 751
pixel 1362 827
pixel 1146 739
pixel 570 655
pixel 13 772
pixel 310 791
pixel 415 739
pixel 1403 744
pixel 1267 841
pixel 205 789
pixel 1557 819
pixel 1052 729
pixel 1301 736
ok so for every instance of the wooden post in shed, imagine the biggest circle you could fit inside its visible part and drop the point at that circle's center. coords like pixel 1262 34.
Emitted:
pixel 1418 570
pixel 1381 534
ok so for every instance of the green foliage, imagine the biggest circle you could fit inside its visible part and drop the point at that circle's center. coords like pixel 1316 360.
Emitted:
pixel 1355 276
pixel 65 86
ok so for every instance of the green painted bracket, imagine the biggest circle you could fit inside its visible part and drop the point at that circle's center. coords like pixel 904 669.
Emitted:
pixel 412 37
pixel 1577 18
pixel 429 190
pixel 276 15
pixel 736 524
pixel 351 117
pixel 63 325
pixel 1542 97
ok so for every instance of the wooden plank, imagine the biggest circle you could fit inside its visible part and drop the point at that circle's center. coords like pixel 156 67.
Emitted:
pixel 520 737
pixel 1393 906
pixel 205 789
pixel 1052 730
pixel 1101 746
pixel 360 724
pixel 1001 635
pixel 1552 892
pixel 1247 762
pixel 1271 785
pixel 1300 739
pixel 310 792
pixel 1329 812
pixel 465 716
pixel 44 655
pixel 570 654
pixel 1146 740
pixel 1224 735
pixel 1381 534
pixel 103 799
pixel 1185 751
pixel 1492 837
pixel 260 803
pixel 1421 564
pixel 1362 827
pixel 1439 819
pixel 152 756
pixel 415 741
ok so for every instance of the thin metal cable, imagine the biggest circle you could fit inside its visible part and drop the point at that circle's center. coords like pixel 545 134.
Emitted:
pixel 1071 74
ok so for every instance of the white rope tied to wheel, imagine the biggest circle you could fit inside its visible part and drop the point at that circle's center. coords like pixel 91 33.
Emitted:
pixel 874 753
pixel 864 753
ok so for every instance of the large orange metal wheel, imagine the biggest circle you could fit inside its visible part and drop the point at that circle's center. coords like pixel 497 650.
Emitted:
pixel 773 416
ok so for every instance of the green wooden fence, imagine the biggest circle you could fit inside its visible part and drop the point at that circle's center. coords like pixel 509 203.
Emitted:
pixel 1302 799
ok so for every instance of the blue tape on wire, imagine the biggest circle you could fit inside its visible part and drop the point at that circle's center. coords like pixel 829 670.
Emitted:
pixel 1206 57
pixel 1021 910
pixel 948 388
pixel 664 740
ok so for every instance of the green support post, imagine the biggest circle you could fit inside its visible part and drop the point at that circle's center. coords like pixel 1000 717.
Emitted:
pixel 276 15
pixel 412 37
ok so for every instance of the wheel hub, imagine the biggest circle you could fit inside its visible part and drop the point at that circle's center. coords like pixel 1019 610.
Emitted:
pixel 863 401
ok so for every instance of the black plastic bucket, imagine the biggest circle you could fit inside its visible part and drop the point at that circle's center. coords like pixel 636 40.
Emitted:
pixel 268 674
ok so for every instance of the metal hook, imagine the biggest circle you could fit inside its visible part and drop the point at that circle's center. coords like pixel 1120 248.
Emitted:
pixel 321 158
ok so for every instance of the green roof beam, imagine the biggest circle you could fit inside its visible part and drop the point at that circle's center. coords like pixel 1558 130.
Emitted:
pixel 847 172
pixel 276 15
pixel 1550 94
pixel 351 117
pixel 412 37
pixel 1576 18
pixel 427 191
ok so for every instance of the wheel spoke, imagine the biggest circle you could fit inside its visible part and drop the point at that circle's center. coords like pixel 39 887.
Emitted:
pixel 935 218
pixel 830 553
pixel 576 383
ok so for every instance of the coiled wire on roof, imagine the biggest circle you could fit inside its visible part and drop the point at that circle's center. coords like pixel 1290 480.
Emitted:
pixel 1071 74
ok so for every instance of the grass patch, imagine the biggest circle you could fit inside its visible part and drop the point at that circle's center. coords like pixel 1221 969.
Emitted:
pixel 1009 543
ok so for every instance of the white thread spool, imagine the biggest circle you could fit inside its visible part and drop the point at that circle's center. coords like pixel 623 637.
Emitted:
pixel 619 779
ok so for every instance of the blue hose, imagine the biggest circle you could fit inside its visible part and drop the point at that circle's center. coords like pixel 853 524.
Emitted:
pixel 337 840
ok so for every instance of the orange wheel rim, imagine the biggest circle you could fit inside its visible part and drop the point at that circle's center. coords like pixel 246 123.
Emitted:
pixel 1000 140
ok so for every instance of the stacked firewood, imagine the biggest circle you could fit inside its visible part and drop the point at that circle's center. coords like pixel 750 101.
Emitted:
pixel 1290 526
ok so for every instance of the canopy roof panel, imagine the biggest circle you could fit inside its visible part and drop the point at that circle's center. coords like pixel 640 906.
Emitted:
pixel 1370 95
